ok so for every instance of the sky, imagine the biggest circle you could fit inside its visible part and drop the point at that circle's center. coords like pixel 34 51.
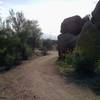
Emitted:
pixel 48 13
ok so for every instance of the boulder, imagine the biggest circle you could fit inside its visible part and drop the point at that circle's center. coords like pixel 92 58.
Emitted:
pixel 96 15
pixel 66 43
pixel 85 19
pixel 72 25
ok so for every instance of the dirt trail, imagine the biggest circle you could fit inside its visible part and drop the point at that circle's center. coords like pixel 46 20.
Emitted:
pixel 39 80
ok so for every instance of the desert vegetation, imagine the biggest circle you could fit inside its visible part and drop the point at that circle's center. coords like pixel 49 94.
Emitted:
pixel 19 38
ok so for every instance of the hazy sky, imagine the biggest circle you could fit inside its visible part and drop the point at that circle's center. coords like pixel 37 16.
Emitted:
pixel 49 13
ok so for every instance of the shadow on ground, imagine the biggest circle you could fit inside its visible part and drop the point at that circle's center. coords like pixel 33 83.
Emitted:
pixel 91 81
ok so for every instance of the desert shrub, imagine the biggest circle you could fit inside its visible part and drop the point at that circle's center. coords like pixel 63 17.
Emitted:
pixel 77 63
pixel 48 43
pixel 65 66
pixel 27 52
pixel 88 44
pixel 9 60
pixel 2 56
pixel 18 38
pixel 83 64
pixel 98 66
pixel 88 47
pixel 69 59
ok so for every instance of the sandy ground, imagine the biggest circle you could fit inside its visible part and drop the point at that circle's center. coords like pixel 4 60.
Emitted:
pixel 38 79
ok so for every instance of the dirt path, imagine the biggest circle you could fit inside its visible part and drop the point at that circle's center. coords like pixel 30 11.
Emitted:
pixel 39 80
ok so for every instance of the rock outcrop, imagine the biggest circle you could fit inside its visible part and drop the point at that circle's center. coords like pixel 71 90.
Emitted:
pixel 85 30
pixel 71 25
pixel 85 19
pixel 66 43
pixel 70 29
pixel 96 15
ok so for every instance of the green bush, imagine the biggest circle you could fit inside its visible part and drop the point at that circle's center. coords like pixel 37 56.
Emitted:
pixel 28 52
pixel 88 47
pixel 2 56
pixel 18 37
pixel 69 59
pixel 9 60
pixel 83 64
pixel 78 63
pixel 64 67
pixel 88 44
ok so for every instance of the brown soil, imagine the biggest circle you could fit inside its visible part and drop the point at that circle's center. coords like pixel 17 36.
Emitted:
pixel 38 79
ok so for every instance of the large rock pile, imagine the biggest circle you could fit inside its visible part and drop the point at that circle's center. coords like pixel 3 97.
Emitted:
pixel 70 29
pixel 75 28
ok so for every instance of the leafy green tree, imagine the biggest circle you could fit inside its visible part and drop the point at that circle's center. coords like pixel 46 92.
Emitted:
pixel 18 38
pixel 48 43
